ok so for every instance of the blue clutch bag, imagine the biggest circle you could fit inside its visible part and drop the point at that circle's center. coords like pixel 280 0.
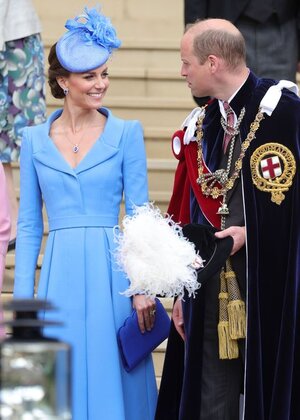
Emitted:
pixel 135 346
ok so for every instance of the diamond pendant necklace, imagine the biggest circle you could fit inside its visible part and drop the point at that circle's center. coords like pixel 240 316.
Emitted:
pixel 75 147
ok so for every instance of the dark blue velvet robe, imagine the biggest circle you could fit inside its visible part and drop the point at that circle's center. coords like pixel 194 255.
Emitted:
pixel 272 362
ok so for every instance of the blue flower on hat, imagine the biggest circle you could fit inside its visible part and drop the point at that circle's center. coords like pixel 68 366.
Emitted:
pixel 88 43
pixel 96 28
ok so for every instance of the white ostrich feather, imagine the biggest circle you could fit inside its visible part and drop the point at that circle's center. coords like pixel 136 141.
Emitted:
pixel 154 254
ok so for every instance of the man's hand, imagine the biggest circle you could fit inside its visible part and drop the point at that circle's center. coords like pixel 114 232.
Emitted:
pixel 238 234
pixel 177 317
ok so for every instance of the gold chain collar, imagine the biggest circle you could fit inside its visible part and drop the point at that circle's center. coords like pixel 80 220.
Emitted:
pixel 208 186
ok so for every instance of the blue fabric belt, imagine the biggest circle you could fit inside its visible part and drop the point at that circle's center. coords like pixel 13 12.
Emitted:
pixel 82 221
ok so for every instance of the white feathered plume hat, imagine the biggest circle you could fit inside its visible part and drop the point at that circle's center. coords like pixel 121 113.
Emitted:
pixel 155 256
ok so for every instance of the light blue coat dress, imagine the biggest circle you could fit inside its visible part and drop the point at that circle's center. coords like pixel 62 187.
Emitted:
pixel 78 273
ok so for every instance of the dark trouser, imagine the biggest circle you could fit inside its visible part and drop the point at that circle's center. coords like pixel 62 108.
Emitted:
pixel 222 380
pixel 272 47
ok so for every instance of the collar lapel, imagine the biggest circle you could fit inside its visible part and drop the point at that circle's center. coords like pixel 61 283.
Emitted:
pixel 106 146
pixel 44 150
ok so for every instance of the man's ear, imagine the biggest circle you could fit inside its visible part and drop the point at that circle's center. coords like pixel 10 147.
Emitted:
pixel 213 63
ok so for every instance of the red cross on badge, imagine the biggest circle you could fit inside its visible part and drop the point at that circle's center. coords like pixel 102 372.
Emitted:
pixel 271 167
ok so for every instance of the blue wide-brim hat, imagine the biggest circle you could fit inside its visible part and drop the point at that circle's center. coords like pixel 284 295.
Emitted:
pixel 89 42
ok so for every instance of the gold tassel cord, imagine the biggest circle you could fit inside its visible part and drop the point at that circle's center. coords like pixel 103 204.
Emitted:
pixel 228 348
pixel 236 306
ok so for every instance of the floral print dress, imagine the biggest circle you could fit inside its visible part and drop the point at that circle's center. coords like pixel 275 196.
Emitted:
pixel 22 92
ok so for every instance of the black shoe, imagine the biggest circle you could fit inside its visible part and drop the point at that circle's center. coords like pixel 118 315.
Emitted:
pixel 11 245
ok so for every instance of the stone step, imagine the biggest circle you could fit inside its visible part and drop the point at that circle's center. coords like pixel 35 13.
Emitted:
pixel 161 176
pixel 156 24
pixel 158 142
pixel 151 56
pixel 141 83
pixel 147 83
pixel 158 358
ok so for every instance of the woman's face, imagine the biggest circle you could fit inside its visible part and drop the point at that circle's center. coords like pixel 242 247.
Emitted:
pixel 86 90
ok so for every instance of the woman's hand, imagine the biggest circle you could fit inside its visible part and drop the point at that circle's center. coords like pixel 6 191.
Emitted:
pixel 238 234
pixel 177 317
pixel 145 309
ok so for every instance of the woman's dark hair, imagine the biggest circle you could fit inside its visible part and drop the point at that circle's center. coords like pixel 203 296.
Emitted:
pixel 55 70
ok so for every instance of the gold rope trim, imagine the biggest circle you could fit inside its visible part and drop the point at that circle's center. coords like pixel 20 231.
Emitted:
pixel 236 306
pixel 237 319
pixel 228 348
pixel 232 314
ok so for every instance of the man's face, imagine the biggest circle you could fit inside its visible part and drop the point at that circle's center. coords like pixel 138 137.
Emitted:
pixel 197 75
